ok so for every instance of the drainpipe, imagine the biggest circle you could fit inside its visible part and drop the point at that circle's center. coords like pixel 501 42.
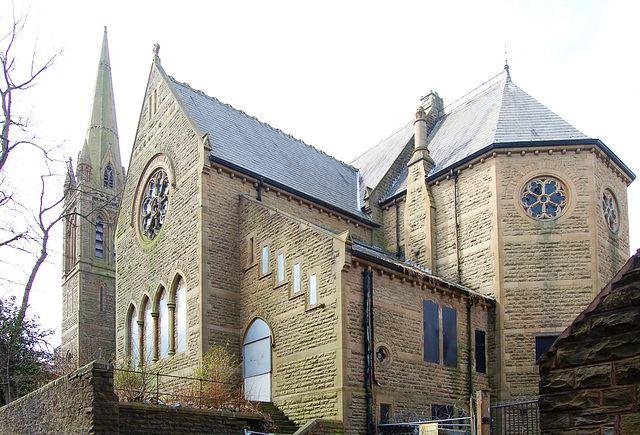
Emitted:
pixel 400 254
pixel 457 225
pixel 368 347
pixel 469 346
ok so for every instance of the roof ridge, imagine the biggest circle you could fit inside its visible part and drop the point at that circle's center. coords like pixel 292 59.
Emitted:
pixel 276 129
pixel 382 140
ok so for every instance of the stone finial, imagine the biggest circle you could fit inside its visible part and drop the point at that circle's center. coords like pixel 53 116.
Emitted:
pixel 156 49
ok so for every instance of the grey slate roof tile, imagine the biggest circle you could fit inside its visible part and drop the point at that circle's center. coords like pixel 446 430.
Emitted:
pixel 247 143
pixel 503 113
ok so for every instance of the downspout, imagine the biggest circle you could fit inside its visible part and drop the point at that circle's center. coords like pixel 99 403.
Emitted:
pixel 368 347
pixel 400 254
pixel 457 225
pixel 469 346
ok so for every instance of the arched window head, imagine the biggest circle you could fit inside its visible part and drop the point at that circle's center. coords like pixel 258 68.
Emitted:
pixel 134 338
pixel 108 176
pixel 99 238
pixel 180 326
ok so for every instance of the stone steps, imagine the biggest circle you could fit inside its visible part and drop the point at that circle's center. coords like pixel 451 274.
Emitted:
pixel 284 425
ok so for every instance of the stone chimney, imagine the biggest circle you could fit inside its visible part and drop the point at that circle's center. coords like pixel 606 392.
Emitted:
pixel 419 214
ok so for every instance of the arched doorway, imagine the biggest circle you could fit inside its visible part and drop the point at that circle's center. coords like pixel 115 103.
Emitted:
pixel 256 362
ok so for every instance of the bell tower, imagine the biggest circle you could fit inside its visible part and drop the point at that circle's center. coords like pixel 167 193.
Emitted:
pixel 92 199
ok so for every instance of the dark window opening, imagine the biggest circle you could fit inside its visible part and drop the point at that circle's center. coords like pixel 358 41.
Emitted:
pixel 449 337
pixel 481 355
pixel 431 325
pixel 543 344
pixel 385 413
pixel 101 298
pixel 108 176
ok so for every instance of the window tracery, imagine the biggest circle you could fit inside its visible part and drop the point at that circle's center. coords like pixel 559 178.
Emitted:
pixel 108 176
pixel 610 211
pixel 153 207
pixel 544 198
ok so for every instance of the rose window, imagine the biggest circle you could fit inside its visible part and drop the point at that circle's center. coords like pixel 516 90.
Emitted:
pixel 153 206
pixel 544 198
pixel 610 211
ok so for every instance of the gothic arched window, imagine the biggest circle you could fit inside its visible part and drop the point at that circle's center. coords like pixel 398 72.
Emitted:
pixel 180 325
pixel 99 238
pixel 108 176
pixel 134 338
pixel 163 326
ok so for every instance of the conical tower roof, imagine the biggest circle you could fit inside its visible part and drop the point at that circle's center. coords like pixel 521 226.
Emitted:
pixel 101 145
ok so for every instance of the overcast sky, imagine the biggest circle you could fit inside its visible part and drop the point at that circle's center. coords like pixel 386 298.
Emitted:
pixel 339 75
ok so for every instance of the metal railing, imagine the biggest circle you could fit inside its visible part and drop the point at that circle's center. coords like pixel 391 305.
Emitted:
pixel 515 418
pixel 159 388
pixel 461 425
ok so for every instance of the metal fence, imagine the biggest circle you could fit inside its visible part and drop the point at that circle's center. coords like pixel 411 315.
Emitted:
pixel 515 418
pixel 450 426
pixel 158 388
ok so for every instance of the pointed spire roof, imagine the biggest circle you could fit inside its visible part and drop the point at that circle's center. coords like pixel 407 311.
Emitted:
pixel 101 144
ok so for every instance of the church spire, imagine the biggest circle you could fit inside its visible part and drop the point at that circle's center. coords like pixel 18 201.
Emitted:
pixel 101 150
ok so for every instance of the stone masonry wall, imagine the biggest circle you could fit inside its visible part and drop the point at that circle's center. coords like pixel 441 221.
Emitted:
pixel 408 383
pixel 590 378
pixel 166 140
pixel 84 402
pixel 543 285
pixel 80 402
pixel 305 347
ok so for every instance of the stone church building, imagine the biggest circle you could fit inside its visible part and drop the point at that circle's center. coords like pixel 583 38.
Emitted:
pixel 443 261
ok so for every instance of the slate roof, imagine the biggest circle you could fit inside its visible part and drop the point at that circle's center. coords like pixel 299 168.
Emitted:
pixel 379 256
pixel 501 114
pixel 375 162
pixel 250 145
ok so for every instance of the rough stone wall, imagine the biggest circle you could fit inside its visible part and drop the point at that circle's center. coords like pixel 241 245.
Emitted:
pixel 305 350
pixel 409 384
pixel 612 247
pixel 84 402
pixel 166 139
pixel 543 286
pixel 392 221
pixel 88 327
pixel 80 402
pixel 474 193
pixel 590 377
pixel 142 419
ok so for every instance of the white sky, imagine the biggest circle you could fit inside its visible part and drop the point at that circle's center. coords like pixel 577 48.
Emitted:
pixel 340 75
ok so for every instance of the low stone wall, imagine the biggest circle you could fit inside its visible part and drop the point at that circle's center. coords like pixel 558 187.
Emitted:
pixel 590 377
pixel 84 402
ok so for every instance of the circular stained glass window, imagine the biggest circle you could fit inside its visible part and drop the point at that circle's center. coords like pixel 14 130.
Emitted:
pixel 610 211
pixel 153 207
pixel 544 198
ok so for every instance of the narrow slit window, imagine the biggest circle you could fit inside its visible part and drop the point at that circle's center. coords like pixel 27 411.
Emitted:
pixel 296 278
pixel 99 238
pixel 252 254
pixel 181 318
pixel 280 268
pixel 101 299
pixel 431 325
pixel 265 260
pixel 449 337
pixel 481 355
pixel 313 289
pixel 148 335
pixel 164 327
